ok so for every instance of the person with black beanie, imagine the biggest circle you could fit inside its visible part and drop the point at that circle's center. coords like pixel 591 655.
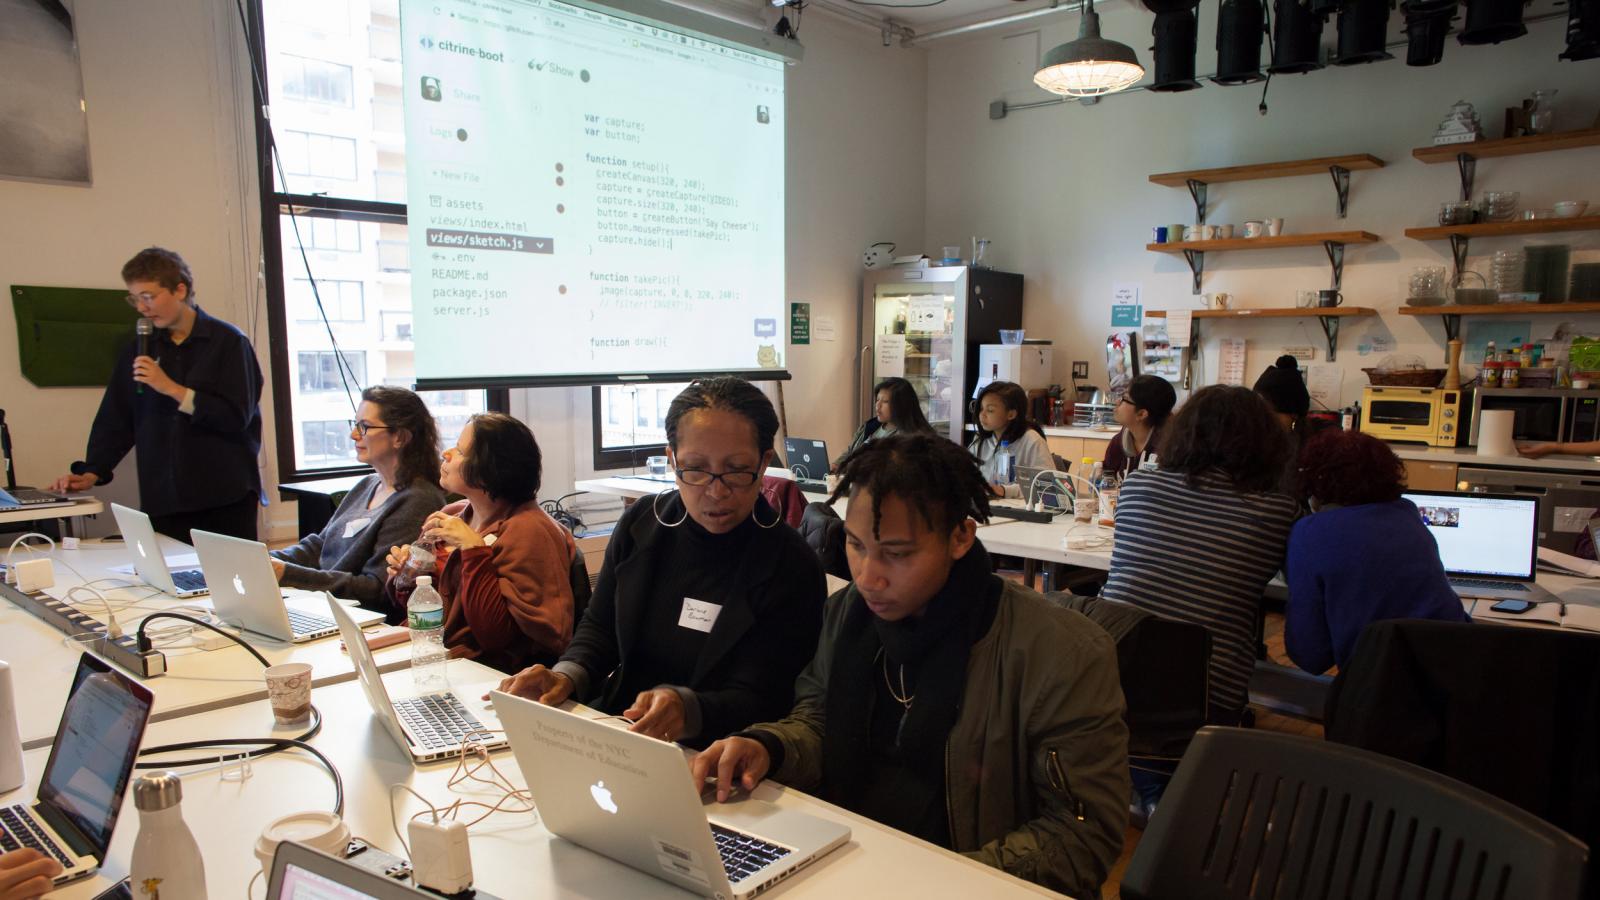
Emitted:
pixel 1285 391
pixel 943 700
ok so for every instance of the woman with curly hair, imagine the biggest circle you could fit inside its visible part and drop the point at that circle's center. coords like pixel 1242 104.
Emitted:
pixel 1362 556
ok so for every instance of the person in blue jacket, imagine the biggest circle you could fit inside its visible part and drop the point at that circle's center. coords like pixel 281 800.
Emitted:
pixel 192 409
pixel 1362 556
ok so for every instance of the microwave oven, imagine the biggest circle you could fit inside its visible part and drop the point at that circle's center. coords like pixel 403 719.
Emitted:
pixel 1561 414
pixel 1432 416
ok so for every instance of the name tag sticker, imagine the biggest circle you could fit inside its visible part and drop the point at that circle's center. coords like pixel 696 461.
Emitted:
pixel 698 614
pixel 354 526
pixel 489 539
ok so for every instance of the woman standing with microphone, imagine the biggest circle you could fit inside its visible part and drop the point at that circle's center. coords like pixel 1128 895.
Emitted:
pixel 191 408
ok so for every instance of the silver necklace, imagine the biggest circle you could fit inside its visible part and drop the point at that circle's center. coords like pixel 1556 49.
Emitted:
pixel 904 698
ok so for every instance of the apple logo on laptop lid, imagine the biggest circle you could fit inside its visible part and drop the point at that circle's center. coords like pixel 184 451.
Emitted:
pixel 238 585
pixel 139 546
pixel 602 797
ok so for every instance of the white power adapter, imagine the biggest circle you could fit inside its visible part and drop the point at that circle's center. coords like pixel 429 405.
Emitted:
pixel 34 575
pixel 440 857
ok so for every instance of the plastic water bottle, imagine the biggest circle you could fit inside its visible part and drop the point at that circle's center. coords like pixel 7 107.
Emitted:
pixel 1109 488
pixel 419 562
pixel 425 616
pixel 1005 465
pixel 166 860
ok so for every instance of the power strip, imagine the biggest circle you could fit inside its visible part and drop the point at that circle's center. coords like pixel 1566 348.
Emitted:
pixel 123 651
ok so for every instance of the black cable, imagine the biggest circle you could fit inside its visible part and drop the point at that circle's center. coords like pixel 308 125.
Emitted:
pixel 144 639
pixel 267 746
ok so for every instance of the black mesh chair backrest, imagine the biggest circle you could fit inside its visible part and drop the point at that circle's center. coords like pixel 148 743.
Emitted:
pixel 582 586
pixel 1260 815
pixel 1164 665
pixel 823 531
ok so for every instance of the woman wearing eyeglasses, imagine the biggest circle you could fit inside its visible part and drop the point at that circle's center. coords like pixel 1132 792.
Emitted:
pixel 191 407
pixel 394 434
pixel 708 605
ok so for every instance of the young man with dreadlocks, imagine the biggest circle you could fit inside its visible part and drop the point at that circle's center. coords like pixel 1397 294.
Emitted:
pixel 943 700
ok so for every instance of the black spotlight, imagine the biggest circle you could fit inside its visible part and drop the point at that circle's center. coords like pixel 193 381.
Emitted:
pixel 1177 33
pixel 1492 21
pixel 1363 28
pixel 1427 24
pixel 1583 30
pixel 1241 26
pixel 1296 38
pixel 1326 8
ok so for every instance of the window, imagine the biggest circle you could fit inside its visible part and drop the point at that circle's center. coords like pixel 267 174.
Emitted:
pixel 342 301
pixel 332 61
pixel 327 440
pixel 319 372
pixel 317 155
pixel 316 81
pixel 630 423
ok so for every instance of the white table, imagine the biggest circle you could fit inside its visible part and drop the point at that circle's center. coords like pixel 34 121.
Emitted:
pixel 513 856
pixel 632 487
pixel 42 661
pixel 71 516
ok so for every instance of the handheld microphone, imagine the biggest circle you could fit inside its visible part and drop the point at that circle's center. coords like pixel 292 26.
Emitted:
pixel 142 330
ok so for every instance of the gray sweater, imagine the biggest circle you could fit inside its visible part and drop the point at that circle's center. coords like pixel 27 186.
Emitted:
pixel 346 558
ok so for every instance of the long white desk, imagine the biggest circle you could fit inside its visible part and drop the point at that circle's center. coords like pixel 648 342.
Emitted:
pixel 43 659
pixel 513 856
pixel 632 487
pixel 72 516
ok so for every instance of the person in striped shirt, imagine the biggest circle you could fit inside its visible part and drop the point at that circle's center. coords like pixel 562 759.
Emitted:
pixel 1199 538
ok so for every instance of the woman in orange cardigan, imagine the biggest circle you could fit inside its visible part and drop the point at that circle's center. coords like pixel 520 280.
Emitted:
pixel 506 572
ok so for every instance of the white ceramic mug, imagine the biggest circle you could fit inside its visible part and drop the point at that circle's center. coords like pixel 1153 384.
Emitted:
pixel 1254 229
pixel 1225 232
pixel 1274 227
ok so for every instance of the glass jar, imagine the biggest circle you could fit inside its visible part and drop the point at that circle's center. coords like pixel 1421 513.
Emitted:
pixel 1542 114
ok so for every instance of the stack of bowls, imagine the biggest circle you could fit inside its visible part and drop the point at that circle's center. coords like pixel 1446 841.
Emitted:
pixel 1499 206
pixel 1505 271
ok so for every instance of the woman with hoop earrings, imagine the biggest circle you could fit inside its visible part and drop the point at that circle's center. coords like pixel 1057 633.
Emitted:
pixel 708 605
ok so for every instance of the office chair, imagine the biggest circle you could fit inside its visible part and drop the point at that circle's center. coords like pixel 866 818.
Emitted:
pixel 1262 815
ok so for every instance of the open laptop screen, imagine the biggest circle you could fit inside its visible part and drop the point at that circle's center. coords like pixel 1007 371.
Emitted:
pixel 807 458
pixel 92 757
pixel 1490 535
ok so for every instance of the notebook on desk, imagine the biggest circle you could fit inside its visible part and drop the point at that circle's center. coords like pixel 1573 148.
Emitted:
pixel 1489 543
pixel 629 797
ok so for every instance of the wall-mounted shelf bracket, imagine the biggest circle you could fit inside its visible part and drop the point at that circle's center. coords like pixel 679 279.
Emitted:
pixel 1468 165
pixel 1335 259
pixel 1197 265
pixel 1197 190
pixel 1341 186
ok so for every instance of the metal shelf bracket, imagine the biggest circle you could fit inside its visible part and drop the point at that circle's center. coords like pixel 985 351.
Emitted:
pixel 1197 190
pixel 1335 251
pixel 1468 164
pixel 1458 253
pixel 1341 186
pixel 1197 265
pixel 1330 330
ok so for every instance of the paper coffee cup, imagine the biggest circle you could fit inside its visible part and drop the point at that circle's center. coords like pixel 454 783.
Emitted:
pixel 289 691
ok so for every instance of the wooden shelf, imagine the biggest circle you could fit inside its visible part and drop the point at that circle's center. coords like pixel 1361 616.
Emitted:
pixel 1257 171
pixel 1327 316
pixel 1266 242
pixel 1538 143
pixel 1499 309
pixel 1503 229
pixel 1295 312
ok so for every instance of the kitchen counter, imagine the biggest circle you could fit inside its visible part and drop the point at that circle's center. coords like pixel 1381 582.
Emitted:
pixel 1469 456
pixel 1067 431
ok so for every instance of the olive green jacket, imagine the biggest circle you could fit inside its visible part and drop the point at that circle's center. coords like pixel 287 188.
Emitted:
pixel 1036 765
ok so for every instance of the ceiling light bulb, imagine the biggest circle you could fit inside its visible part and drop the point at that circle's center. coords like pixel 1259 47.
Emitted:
pixel 1089 66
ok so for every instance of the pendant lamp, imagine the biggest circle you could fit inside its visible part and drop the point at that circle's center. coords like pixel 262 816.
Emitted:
pixel 1241 26
pixel 1090 66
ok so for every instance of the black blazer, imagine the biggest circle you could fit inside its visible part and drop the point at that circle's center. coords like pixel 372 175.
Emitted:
pixel 766 633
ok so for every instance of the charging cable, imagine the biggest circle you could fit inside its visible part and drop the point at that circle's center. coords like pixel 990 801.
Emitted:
pixel 263 747
pixel 113 630
pixel 1057 476
pixel 11 571
pixel 144 639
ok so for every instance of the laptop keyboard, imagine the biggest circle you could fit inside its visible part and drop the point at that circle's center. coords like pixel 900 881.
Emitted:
pixel 439 720
pixel 189 580
pixel 18 830
pixel 303 623
pixel 743 855
pixel 1486 583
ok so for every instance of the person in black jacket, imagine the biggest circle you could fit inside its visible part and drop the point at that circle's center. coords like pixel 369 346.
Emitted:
pixel 708 605
pixel 191 408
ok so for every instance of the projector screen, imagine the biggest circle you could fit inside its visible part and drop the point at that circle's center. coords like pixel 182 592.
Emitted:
pixel 595 192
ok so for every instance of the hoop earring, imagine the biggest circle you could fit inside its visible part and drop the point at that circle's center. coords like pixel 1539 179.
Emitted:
pixel 775 519
pixel 655 508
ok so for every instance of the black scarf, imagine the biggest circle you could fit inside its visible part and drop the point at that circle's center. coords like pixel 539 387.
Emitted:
pixel 934 649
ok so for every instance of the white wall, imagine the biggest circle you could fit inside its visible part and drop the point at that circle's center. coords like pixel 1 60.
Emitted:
pixel 171 167
pixel 1064 193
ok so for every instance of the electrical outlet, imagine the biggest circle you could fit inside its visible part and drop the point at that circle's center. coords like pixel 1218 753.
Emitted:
pixel 1080 368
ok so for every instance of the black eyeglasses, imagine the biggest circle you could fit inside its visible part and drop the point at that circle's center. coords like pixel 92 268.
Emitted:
pixel 361 428
pixel 703 478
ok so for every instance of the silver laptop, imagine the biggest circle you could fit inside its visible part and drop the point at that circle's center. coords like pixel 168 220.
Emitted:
pixel 808 460
pixel 91 760
pixel 429 727
pixel 1489 543
pixel 1047 491
pixel 31 498
pixel 245 592
pixel 629 797
pixel 148 562
pixel 301 873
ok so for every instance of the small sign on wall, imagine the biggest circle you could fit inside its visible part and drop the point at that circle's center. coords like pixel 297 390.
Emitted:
pixel 799 323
